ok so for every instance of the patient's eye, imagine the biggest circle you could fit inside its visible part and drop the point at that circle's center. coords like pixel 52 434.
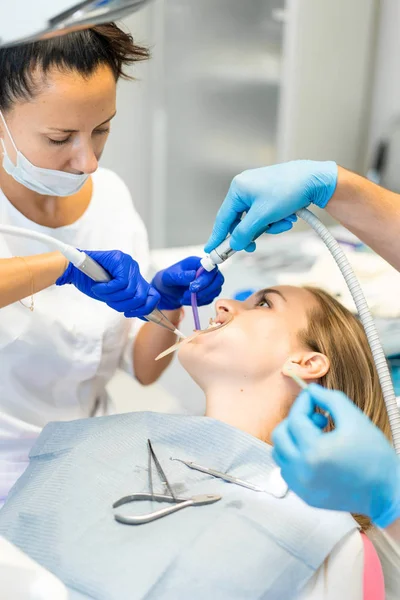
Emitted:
pixel 264 301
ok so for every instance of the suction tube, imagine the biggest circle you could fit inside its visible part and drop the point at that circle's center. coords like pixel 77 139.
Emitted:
pixel 366 320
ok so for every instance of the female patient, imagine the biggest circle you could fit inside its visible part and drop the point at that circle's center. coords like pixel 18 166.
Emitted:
pixel 247 545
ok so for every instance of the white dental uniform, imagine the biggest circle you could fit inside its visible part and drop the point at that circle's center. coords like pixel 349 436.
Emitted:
pixel 56 360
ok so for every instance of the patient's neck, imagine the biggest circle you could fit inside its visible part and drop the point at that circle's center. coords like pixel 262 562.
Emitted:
pixel 253 407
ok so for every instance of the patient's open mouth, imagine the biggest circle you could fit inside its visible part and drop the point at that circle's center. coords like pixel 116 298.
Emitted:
pixel 222 318
pixel 220 321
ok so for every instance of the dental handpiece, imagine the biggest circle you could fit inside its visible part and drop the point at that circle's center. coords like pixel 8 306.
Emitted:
pixel 85 263
pixel 217 256
pixel 157 317
pixel 96 272
pixel 222 252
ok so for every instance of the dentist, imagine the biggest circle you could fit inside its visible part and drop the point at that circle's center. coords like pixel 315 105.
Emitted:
pixel 57 100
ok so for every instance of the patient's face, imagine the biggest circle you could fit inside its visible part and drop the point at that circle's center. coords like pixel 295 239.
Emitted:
pixel 260 338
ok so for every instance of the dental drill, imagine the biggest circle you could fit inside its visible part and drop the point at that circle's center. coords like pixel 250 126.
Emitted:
pixel 83 262
pixel 224 251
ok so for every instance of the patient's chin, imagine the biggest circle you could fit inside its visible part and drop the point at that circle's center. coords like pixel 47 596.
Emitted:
pixel 187 356
pixel 198 362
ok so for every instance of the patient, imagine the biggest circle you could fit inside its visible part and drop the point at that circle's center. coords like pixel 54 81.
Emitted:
pixel 248 545
pixel 241 368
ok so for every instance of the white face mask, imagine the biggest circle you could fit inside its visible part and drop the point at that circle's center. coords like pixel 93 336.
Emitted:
pixel 43 181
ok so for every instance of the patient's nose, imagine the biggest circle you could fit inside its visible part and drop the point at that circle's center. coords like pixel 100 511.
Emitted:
pixel 233 307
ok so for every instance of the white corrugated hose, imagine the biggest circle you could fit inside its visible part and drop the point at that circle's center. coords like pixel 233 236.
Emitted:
pixel 366 320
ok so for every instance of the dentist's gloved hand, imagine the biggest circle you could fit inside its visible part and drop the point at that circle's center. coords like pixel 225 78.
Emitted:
pixel 352 468
pixel 176 283
pixel 127 292
pixel 271 196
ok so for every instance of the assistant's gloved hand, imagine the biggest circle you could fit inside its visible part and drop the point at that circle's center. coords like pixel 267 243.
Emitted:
pixel 127 292
pixel 176 283
pixel 353 468
pixel 271 196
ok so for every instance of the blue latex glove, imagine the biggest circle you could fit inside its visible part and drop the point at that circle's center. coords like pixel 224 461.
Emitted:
pixel 127 292
pixel 353 468
pixel 176 283
pixel 271 196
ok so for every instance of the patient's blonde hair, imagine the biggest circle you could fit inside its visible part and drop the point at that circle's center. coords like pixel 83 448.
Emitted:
pixel 335 331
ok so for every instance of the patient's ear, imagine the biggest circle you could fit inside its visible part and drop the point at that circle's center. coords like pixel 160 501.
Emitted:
pixel 310 366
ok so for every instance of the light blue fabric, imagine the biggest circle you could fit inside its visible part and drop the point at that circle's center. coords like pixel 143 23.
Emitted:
pixel 248 545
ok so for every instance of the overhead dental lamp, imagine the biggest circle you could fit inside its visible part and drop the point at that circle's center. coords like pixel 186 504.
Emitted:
pixel 28 20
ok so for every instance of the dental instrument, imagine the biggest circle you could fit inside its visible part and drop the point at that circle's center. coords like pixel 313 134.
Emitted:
pixel 219 475
pixel 321 419
pixel 87 265
pixel 152 457
pixel 158 317
pixel 300 382
pixel 179 503
pixel 279 489
pixel 224 251
pixel 178 345
pixel 217 256
pixel 212 327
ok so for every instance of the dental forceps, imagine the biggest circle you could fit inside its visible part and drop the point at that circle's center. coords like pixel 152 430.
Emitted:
pixel 178 503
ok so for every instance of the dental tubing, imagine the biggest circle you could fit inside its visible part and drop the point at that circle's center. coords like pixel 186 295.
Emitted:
pixel 193 301
pixel 79 259
pixel 223 251
pixel 366 320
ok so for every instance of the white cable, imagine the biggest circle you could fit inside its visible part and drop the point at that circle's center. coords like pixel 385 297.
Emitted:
pixel 72 254
pixel 366 319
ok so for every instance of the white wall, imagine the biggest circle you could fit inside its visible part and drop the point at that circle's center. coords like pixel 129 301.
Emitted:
pixel 325 98
pixel 386 96
pixel 128 148
pixel 327 80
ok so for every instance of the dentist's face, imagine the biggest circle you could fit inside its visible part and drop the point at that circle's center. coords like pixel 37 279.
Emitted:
pixel 66 125
pixel 260 338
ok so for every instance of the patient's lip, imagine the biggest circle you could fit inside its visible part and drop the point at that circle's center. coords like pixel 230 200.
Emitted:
pixel 222 317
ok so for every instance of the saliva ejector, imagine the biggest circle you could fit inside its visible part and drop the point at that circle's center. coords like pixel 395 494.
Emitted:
pixel 224 251
pixel 86 264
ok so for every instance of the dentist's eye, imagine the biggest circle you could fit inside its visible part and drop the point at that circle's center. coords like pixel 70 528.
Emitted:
pixel 102 131
pixel 59 142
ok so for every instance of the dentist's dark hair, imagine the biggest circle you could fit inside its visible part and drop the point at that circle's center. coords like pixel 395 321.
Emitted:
pixel 23 68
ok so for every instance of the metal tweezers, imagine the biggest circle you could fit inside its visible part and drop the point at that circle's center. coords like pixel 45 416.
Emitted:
pixel 178 502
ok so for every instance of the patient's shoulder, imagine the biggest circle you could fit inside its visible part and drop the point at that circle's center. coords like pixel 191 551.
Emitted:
pixel 342 573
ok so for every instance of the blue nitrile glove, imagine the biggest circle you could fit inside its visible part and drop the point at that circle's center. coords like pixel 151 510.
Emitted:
pixel 271 196
pixel 176 283
pixel 352 468
pixel 127 292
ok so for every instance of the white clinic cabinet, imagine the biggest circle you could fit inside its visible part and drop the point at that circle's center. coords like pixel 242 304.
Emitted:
pixel 236 84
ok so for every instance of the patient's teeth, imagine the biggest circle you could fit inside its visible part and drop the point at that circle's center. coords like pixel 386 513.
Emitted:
pixel 213 325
